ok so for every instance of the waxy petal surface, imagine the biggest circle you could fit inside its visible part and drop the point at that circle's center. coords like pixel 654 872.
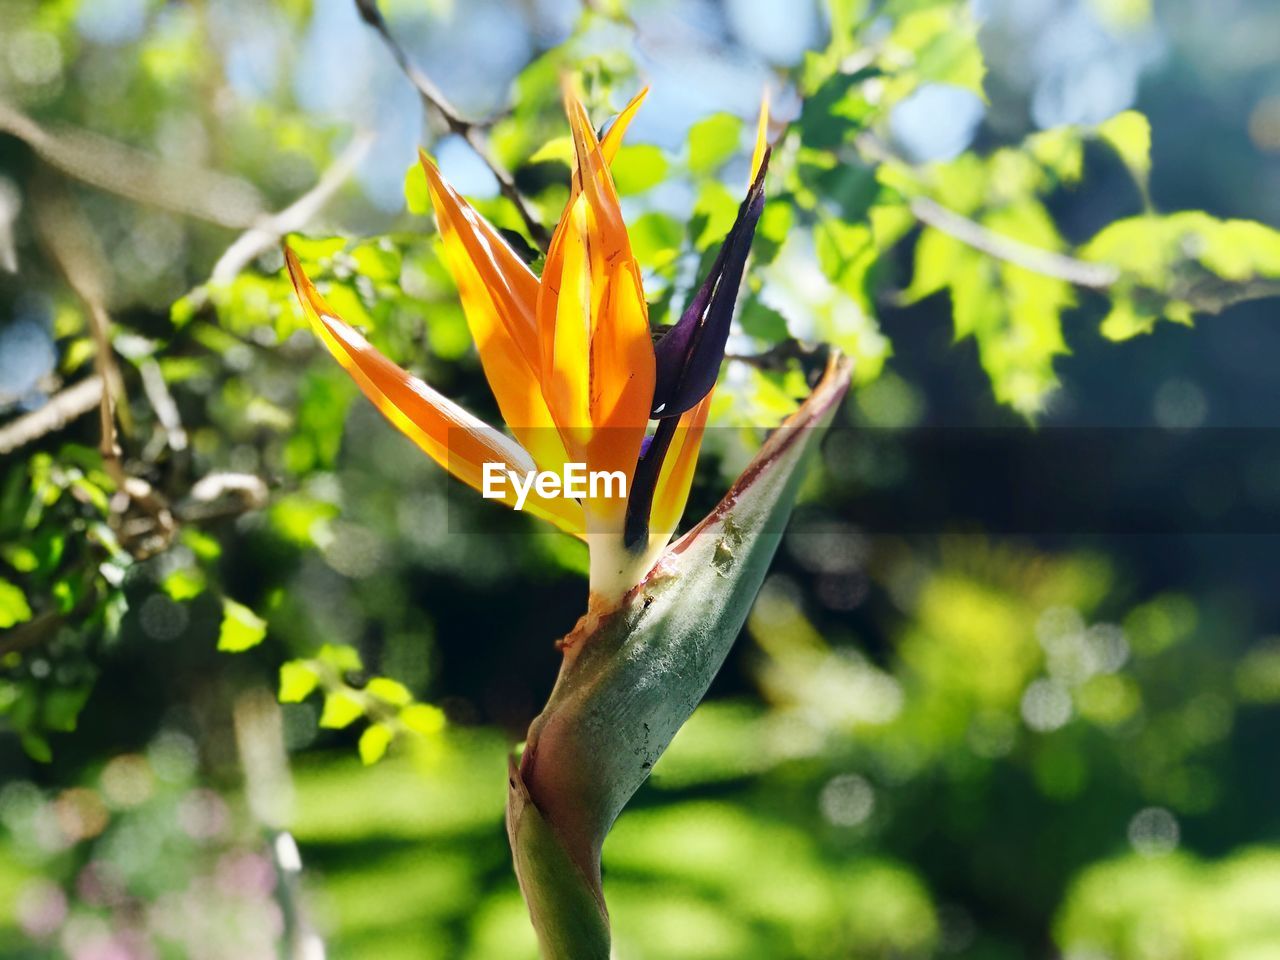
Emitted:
pixel 596 352
pixel 676 478
pixel 499 296
pixel 612 138
pixel 454 438
pixel 689 354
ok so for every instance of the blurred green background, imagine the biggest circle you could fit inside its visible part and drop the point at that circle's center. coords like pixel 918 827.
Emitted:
pixel 944 743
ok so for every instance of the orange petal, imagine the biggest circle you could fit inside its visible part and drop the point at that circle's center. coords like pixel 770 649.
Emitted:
pixel 566 370
pixel 454 438
pixel 612 138
pixel 676 478
pixel 499 297
pixel 593 322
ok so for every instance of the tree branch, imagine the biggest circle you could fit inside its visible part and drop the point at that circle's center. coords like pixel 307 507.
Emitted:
pixel 60 409
pixel 265 235
pixel 72 246
pixel 468 130
pixel 779 357
pixel 93 159
pixel 1094 276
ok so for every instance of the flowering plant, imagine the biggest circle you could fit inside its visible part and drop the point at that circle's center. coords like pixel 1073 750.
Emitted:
pixel 578 378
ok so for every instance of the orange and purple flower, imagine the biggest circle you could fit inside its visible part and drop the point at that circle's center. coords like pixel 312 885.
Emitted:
pixel 570 359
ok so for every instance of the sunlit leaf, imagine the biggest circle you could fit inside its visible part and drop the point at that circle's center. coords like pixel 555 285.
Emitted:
pixel 712 141
pixel 389 691
pixel 1129 134
pixel 340 657
pixel 341 709
pixel 417 197
pixel 298 678
pixel 637 168
pixel 13 605
pixel 374 742
pixel 422 718
pixel 241 628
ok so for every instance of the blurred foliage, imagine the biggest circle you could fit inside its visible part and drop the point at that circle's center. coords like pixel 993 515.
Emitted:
pixel 930 746
pixel 140 860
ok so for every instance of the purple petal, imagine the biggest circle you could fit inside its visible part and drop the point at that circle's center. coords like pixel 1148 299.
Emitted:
pixel 653 450
pixel 689 355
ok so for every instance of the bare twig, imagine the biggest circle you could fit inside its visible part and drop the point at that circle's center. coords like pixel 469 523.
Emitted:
pixel 259 729
pixel 1208 293
pixel 219 495
pixel 57 412
pixel 31 634
pixel 45 626
pixel 265 235
pixel 470 131
pixel 1202 290
pixel 1094 276
pixel 138 176
pixel 779 356
pixel 10 206
pixel 71 245
pixel 162 402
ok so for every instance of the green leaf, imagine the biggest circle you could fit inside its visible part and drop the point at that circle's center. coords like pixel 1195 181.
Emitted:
pixel 655 239
pixel 1061 151
pixel 937 256
pixel 378 261
pixel 341 709
pixel 555 150
pixel 1014 315
pixel 1126 319
pixel 61 707
pixel 1176 265
pixel 185 583
pixel 298 678
pixel 37 748
pixel 837 110
pixel 13 605
pixel 1240 250
pixel 417 197
pixel 939 45
pixel 843 247
pixel 775 223
pixel 423 718
pixel 389 691
pixel 714 211
pixel 1129 134
pixel 203 545
pixel 638 168
pixel 374 742
pixel 241 628
pixel 712 141
pixel 763 322
pixel 342 658
pixel 21 558
pixel 300 518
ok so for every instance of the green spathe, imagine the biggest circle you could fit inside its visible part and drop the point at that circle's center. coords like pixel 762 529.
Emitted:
pixel 632 675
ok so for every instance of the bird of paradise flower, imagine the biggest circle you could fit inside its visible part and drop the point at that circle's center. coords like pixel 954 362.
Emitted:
pixel 570 358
